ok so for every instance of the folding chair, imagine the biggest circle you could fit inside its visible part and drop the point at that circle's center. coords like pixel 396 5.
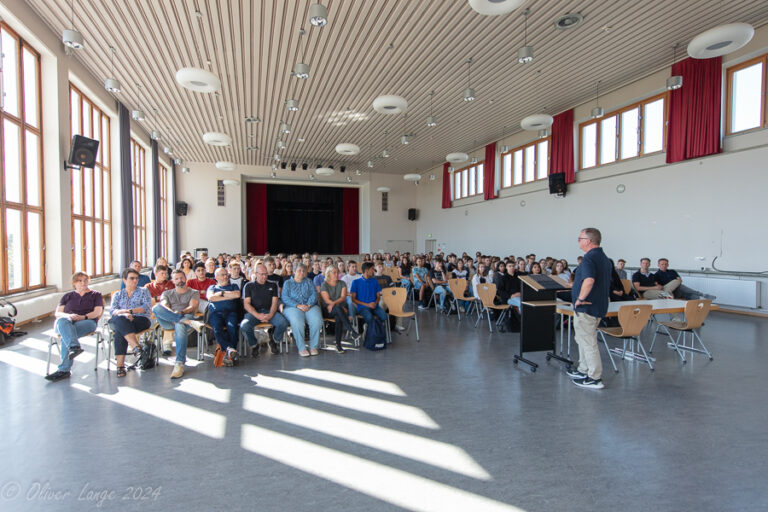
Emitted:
pixel 487 292
pixel 632 321
pixel 458 288
pixel 56 338
pixel 394 299
pixel 696 312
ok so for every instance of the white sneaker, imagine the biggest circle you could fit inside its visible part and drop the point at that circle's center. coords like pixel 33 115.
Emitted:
pixel 178 370
pixel 399 328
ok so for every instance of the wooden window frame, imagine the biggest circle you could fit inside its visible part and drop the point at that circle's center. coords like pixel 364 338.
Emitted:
pixel 640 137
pixel 522 148
pixel 104 167
pixel 458 172
pixel 763 94
pixel 139 192
pixel 22 206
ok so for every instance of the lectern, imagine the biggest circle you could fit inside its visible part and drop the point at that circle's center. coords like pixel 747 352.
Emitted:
pixel 538 297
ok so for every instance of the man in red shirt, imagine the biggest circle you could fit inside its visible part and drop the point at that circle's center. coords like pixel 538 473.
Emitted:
pixel 161 282
pixel 201 284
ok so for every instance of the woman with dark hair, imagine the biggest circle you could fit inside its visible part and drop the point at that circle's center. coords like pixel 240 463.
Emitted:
pixel 536 268
pixel 130 315
pixel 187 268
pixel 405 273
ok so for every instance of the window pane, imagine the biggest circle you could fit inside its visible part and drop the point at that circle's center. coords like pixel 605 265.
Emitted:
pixel 480 178
pixel 106 195
pixel 457 186
pixel 97 193
pixel 10 76
pixel 88 191
pixel 33 169
pixel 746 101
pixel 507 166
pixel 98 270
pixel 472 180
pixel 530 162
pixel 15 249
pixel 608 140
pixel 89 247
pixel 464 183
pixel 34 233
pixel 107 248
pixel 653 126
pixel 542 159
pixel 518 167
pixel 104 141
pixel 77 191
pixel 589 146
pixel 30 88
pixel 12 161
pixel 74 113
pixel 77 235
pixel 629 135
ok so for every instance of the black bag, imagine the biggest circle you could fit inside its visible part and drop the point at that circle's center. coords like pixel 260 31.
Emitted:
pixel 375 337
pixel 148 356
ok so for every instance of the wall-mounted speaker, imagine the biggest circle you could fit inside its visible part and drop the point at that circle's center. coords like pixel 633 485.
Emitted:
pixel 83 152
pixel 181 208
pixel 412 213
pixel 557 184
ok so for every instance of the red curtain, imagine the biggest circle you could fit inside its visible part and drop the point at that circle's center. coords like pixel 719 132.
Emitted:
pixel 489 172
pixel 561 159
pixel 694 110
pixel 446 186
pixel 256 199
pixel 350 225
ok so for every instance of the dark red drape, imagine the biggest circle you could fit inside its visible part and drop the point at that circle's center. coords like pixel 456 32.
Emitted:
pixel 561 159
pixel 446 186
pixel 489 172
pixel 350 225
pixel 256 199
pixel 694 110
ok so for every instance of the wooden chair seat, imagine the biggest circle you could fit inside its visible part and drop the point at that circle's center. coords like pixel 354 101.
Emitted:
pixel 676 325
pixel 611 331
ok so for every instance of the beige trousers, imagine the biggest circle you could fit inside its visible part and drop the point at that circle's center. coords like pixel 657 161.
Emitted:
pixel 585 329
pixel 668 289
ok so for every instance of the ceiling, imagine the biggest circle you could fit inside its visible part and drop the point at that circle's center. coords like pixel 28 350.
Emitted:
pixel 369 48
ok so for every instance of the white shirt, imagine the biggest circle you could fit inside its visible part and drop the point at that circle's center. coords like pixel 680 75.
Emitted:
pixel 347 278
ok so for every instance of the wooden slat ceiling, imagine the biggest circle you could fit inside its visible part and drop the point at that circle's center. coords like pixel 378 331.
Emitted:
pixel 369 48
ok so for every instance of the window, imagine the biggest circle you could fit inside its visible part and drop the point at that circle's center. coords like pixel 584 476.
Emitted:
pixel 636 130
pixel 747 105
pixel 22 243
pixel 468 182
pixel 163 192
pixel 91 191
pixel 139 188
pixel 525 164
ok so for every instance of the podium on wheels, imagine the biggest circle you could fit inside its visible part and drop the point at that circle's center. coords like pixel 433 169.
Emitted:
pixel 538 300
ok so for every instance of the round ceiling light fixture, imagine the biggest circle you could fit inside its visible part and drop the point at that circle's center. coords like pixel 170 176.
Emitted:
pixel 225 166
pixel 348 149
pixel 230 182
pixel 217 139
pixel 536 122
pixel 720 40
pixel 358 172
pixel 390 104
pixel 457 158
pixel 412 177
pixel 324 171
pixel 198 80
pixel 567 21
pixel 383 189
pixel 72 38
pixel 112 85
pixel 495 7
pixel 137 115
pixel 318 15
pixel 292 105
pixel 301 70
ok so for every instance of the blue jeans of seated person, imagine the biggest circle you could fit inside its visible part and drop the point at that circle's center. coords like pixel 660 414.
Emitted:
pixel 442 292
pixel 368 313
pixel 407 284
pixel 298 319
pixel 217 320
pixel 514 301
pixel 171 320
pixel 70 332
pixel 250 321
pixel 351 307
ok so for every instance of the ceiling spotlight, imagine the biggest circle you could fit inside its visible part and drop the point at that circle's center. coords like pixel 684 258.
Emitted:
pixel 598 111
pixel 285 128
pixel 358 172
pixel 525 54
pixel 300 139
pixel 273 174
pixel 280 144
pixel 343 168
pixel 293 166
pixel 405 139
pixel 301 70
pixel 349 179
pixel 432 177
pixel 185 170
pixel 276 157
pixel 252 119
pixel 154 135
pixel 431 118
pixel 370 163
pixel 569 20
pixel 318 15
pixel 543 134
pixel 283 165
pixel 274 167
pixel 137 115
pixel 473 160
pixel 167 150
pixel 253 148
pixel 177 161
pixel 385 154
pixel 112 84
pixel 72 38
pixel 674 81
pixel 304 166
pixel 469 92
pixel 292 105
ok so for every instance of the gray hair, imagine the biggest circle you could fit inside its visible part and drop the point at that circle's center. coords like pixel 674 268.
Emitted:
pixel 593 234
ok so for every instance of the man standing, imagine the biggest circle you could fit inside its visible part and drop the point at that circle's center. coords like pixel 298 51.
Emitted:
pixel 590 292
pixel 260 299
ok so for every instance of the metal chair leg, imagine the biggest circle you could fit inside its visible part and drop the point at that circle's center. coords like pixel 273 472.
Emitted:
pixel 648 359
pixel 608 349
pixel 51 342
pixel 694 333
pixel 416 320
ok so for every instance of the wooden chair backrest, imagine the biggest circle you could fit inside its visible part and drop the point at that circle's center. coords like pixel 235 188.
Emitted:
pixel 486 292
pixel 627 284
pixel 632 319
pixel 696 312
pixel 392 272
pixel 394 298
pixel 458 287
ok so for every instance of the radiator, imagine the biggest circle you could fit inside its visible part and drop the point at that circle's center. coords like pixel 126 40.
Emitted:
pixel 731 292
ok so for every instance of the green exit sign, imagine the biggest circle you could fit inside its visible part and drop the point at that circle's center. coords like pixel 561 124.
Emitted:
pixel 429 235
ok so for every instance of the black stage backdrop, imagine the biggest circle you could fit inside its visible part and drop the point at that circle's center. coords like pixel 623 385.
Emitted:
pixel 304 219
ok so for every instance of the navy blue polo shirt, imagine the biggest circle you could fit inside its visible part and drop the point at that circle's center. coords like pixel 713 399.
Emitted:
pixel 223 306
pixel 649 280
pixel 365 290
pixel 665 277
pixel 597 266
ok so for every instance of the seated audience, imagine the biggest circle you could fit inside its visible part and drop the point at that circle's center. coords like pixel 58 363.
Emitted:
pixel 509 290
pixel 439 277
pixel 620 269
pixel 617 287
pixel 333 294
pixel 210 268
pixel 315 271
pixel 478 278
pixel 272 273
pixel 348 279
pixel 130 315
pixel 366 294
pixel 646 283
pixel 160 261
pixel 201 284
pixel 421 281
pixel 187 266
pixel 76 315
pixel 224 310
pixel 535 268
pixel 672 283
pixel 176 312
pixel 143 280
pixel 301 308
pixel 260 300
pixel 161 282
pixel 235 274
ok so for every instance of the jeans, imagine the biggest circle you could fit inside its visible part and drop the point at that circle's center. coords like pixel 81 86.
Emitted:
pixel 342 320
pixel 514 301
pixel 351 307
pixel 298 319
pixel 442 292
pixel 217 321
pixel 368 313
pixel 70 332
pixel 122 326
pixel 407 283
pixel 250 322
pixel 171 320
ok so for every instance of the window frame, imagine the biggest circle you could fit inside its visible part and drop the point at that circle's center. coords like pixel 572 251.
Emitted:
pixel 139 193
pixel 535 143
pixel 729 72
pixel 22 206
pixel 457 181
pixel 164 172
pixel 640 137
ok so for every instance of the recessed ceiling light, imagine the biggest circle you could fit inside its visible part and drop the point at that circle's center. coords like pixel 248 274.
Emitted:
pixel 457 158
pixel 720 40
pixel 225 166
pixel 346 148
pixel 390 104
pixel 198 80
pixel 495 7
pixel 217 139
pixel 570 20
pixel 536 122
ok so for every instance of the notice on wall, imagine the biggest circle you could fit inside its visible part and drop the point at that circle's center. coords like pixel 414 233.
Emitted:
pixel 220 192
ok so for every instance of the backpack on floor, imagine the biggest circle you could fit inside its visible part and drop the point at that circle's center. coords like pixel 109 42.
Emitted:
pixel 7 321
pixel 148 356
pixel 376 337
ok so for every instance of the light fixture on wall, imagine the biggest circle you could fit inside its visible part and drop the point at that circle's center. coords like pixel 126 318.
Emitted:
pixel 525 53
pixel 675 81
pixel 431 122
pixel 432 177
pixel 469 92
pixel 273 174
pixel 598 111
pixel 318 15
pixel 292 105
pixel 349 179
pixel 620 188
pixel 112 84
pixel 69 36
pixel 177 161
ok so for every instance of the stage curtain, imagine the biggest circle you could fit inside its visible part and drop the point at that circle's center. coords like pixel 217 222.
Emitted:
pixel 561 159
pixel 694 110
pixel 446 186
pixel 256 206
pixel 489 172
pixel 350 221
pixel 126 188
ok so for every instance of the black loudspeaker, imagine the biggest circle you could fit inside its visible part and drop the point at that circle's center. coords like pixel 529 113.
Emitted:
pixel 83 152
pixel 283 165
pixel 293 166
pixel 557 184
pixel 412 213
pixel 181 208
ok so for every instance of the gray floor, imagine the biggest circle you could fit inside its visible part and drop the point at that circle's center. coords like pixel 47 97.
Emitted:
pixel 446 424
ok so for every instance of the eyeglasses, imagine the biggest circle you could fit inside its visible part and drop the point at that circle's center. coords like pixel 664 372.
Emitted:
pixel 132 278
pixel 582 238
